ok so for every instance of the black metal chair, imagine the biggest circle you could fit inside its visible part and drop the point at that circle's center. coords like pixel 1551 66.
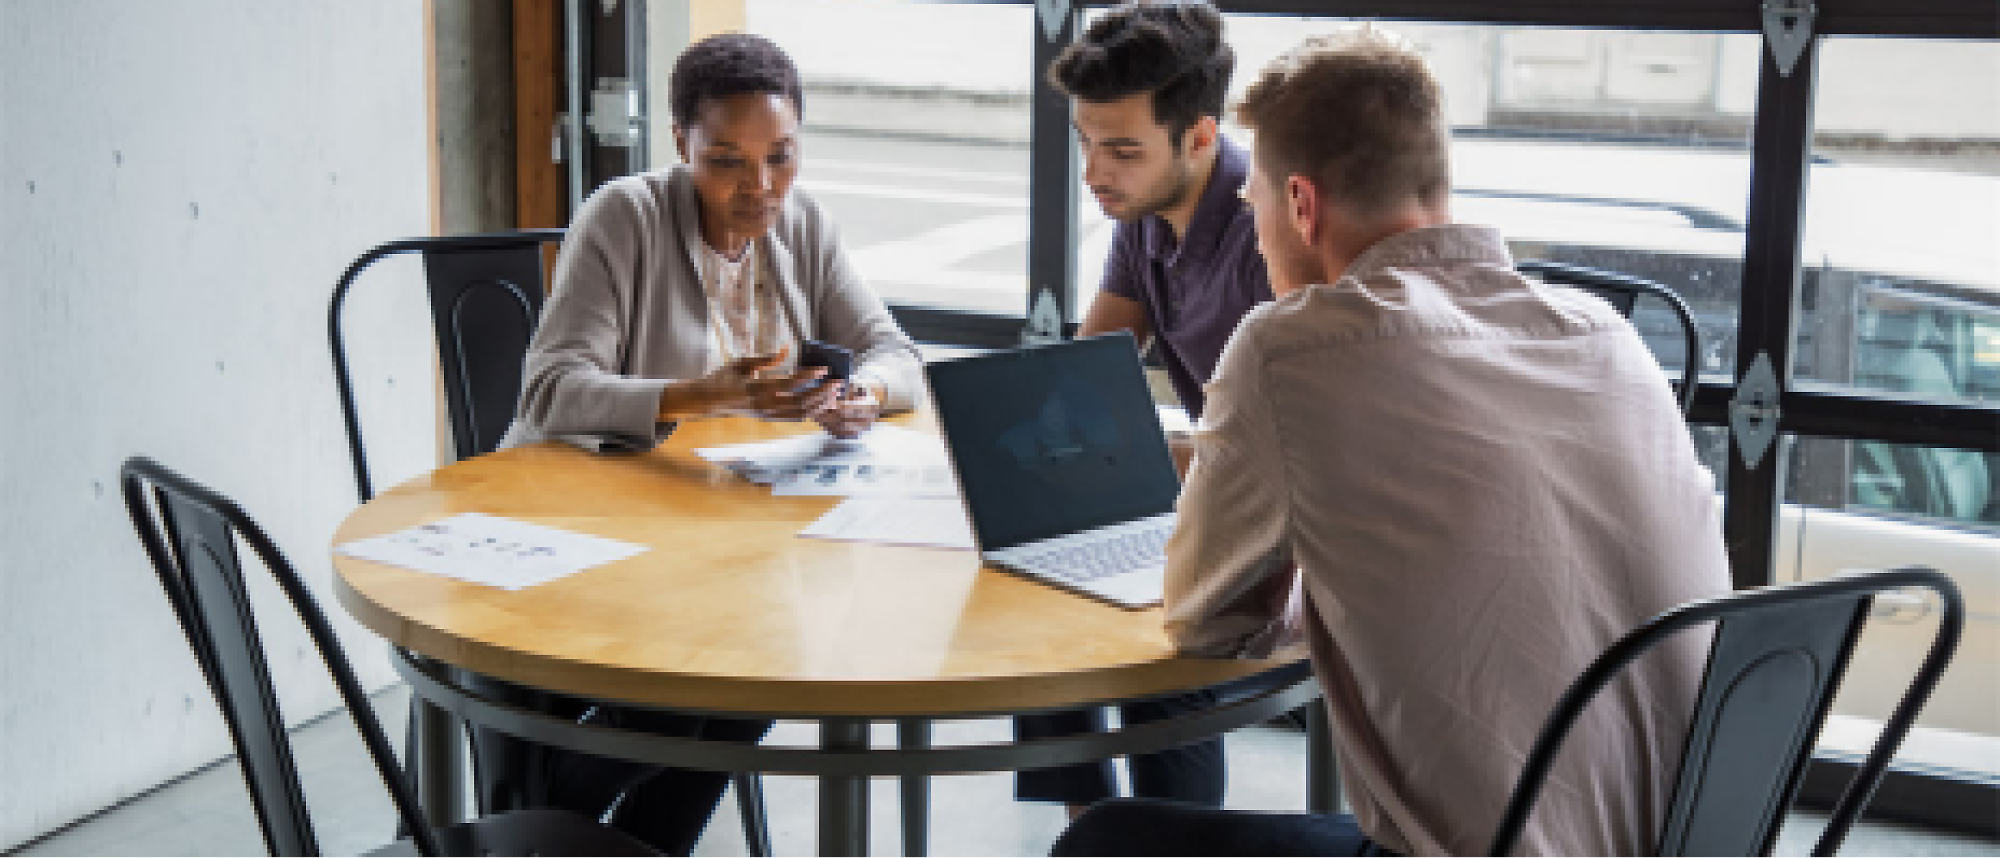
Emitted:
pixel 486 293
pixel 190 534
pixel 1622 291
pixel 1776 660
pixel 486 299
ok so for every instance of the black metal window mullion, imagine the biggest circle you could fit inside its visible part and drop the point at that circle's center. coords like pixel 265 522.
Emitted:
pixel 1781 152
pixel 1053 176
pixel 1863 416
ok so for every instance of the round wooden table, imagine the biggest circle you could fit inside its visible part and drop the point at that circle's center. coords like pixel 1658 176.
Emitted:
pixel 730 612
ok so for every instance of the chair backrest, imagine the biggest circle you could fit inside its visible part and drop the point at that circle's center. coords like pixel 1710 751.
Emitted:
pixel 190 534
pixel 1622 291
pixel 1776 661
pixel 486 299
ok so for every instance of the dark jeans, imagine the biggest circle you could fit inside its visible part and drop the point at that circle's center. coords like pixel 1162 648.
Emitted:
pixel 667 808
pixel 1192 773
pixel 664 807
pixel 1149 827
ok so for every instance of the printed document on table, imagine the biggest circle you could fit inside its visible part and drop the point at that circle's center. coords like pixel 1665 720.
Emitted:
pixel 868 477
pixel 490 550
pixel 920 522
pixel 884 460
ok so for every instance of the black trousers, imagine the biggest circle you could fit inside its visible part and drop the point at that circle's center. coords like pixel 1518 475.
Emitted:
pixel 666 808
pixel 1146 827
pixel 1191 773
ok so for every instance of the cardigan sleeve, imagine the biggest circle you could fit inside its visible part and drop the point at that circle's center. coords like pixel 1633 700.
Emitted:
pixel 571 386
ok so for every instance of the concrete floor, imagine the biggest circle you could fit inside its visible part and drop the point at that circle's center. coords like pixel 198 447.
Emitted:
pixel 209 813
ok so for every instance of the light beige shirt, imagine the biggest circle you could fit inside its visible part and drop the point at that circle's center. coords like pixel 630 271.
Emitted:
pixel 742 308
pixel 1459 486
pixel 629 313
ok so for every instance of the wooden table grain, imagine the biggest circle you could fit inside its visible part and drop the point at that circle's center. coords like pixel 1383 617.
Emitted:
pixel 729 610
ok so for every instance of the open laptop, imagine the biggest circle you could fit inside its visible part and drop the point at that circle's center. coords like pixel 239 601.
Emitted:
pixel 1062 464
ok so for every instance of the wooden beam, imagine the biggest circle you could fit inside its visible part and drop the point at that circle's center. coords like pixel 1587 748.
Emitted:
pixel 540 198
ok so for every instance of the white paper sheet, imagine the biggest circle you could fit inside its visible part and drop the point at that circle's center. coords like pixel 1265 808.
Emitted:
pixel 886 460
pixel 921 522
pixel 490 550
pixel 869 478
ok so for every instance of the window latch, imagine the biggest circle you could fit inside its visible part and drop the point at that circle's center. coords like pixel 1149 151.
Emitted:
pixel 1053 14
pixel 1045 320
pixel 614 118
pixel 1753 414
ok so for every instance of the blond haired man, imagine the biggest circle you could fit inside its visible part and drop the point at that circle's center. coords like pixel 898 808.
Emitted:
pixel 1457 485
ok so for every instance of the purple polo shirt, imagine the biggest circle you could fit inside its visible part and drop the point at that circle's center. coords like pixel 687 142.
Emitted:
pixel 1196 290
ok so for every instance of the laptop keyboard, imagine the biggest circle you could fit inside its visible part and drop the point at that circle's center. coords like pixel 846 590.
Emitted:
pixel 1095 554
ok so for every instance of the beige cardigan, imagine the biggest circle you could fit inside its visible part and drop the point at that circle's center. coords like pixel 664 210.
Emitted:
pixel 628 314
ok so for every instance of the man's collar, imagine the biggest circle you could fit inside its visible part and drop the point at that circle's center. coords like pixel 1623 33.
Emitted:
pixel 1433 245
pixel 1219 205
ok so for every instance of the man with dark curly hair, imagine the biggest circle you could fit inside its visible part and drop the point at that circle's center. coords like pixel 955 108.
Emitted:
pixel 1146 81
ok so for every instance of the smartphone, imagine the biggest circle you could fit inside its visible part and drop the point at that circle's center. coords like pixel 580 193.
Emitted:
pixel 839 362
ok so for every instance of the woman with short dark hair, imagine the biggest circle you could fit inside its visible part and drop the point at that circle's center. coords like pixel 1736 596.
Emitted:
pixel 685 293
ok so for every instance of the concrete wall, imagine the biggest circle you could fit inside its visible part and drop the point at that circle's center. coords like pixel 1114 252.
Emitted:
pixel 180 185
pixel 474 96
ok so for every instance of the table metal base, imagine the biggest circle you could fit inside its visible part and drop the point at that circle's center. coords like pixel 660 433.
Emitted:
pixel 844 762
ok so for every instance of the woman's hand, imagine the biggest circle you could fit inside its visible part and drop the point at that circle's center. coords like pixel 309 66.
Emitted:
pixel 736 387
pixel 853 413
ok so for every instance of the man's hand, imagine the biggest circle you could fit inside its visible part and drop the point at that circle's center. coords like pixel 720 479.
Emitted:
pixel 853 413
pixel 1109 313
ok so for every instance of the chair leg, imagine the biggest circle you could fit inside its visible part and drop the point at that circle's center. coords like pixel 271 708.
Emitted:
pixel 914 734
pixel 750 804
pixel 411 750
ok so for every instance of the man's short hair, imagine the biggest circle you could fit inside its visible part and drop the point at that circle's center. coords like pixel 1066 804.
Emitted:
pixel 730 64
pixel 1357 112
pixel 1172 50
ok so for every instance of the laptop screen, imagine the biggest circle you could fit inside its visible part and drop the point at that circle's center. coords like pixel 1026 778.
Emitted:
pixel 1053 439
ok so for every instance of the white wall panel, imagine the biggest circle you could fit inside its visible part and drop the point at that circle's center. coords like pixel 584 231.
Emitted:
pixel 181 182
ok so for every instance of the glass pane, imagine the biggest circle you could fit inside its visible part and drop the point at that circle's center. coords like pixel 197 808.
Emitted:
pixel 917 144
pixel 1621 151
pixel 1871 505
pixel 1901 291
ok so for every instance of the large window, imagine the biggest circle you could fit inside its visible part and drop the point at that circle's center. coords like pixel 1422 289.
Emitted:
pixel 1899 298
pixel 1834 222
